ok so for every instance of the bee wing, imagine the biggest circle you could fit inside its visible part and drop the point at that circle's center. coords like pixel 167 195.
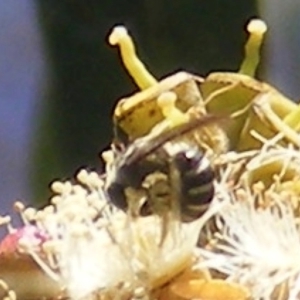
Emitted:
pixel 142 147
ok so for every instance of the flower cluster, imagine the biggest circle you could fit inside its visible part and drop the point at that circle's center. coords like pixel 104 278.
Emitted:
pixel 87 246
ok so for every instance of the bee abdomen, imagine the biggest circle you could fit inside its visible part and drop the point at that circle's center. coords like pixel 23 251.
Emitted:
pixel 198 187
pixel 196 183
pixel 196 201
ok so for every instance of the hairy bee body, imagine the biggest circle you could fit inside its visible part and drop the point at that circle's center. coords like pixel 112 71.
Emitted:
pixel 192 187
pixel 160 173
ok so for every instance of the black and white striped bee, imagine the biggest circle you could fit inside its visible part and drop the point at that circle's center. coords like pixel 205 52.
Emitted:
pixel 163 172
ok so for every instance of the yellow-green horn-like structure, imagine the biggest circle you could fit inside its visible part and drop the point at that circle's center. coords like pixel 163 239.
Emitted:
pixel 166 102
pixel 137 70
pixel 256 29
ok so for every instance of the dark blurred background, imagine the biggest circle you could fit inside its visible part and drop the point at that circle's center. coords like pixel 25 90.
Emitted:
pixel 60 79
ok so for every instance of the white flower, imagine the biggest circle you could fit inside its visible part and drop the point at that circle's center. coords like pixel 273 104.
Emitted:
pixel 95 248
pixel 258 248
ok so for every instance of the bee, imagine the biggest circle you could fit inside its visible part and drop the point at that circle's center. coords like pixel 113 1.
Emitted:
pixel 163 172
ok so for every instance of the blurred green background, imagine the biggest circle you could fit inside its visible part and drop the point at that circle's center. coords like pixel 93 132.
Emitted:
pixel 86 78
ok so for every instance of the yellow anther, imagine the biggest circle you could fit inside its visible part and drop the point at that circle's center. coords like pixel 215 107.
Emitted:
pixel 137 70
pixel 166 102
pixel 256 29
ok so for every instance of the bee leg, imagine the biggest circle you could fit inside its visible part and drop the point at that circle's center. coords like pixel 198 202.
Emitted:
pixel 163 214
pixel 165 222
pixel 159 201
pixel 135 199
pixel 164 217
